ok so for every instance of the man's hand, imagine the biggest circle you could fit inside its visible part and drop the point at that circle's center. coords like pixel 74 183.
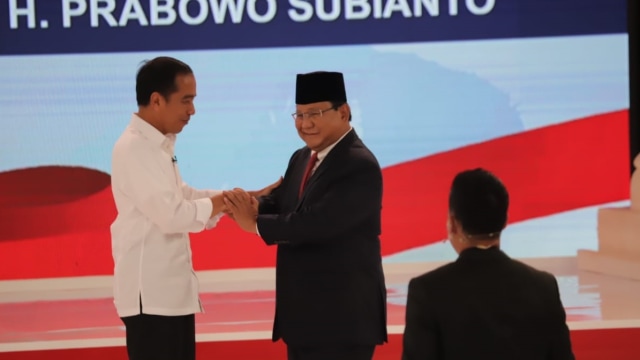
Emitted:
pixel 266 190
pixel 218 205
pixel 243 208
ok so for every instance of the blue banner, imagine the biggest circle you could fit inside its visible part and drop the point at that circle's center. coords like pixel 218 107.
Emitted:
pixel 90 26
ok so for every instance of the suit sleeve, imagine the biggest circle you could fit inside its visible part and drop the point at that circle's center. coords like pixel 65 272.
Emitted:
pixel 420 339
pixel 560 340
pixel 270 204
pixel 350 200
pixel 560 348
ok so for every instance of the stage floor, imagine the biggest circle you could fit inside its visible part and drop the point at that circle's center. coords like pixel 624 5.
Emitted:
pixel 79 312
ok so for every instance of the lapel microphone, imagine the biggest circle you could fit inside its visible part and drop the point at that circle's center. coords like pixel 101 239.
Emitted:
pixel 174 159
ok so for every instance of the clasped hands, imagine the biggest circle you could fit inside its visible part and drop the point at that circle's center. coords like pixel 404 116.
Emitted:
pixel 242 206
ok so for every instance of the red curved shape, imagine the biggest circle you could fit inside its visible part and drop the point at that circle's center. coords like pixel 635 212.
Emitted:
pixel 548 170
pixel 54 200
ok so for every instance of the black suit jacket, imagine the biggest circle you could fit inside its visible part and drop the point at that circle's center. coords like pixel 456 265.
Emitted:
pixel 485 306
pixel 329 282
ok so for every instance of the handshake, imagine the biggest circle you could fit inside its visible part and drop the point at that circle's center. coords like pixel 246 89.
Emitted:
pixel 241 205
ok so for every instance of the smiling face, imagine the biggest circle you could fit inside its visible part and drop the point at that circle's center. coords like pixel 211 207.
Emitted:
pixel 174 111
pixel 320 124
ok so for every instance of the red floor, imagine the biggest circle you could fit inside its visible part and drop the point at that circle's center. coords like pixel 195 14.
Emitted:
pixel 618 344
pixel 34 322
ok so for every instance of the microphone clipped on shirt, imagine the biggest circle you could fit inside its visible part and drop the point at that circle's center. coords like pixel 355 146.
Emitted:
pixel 174 159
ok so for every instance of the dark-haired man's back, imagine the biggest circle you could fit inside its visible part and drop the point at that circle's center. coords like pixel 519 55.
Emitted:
pixel 485 306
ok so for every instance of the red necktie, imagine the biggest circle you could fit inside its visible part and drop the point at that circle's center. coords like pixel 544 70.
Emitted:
pixel 307 172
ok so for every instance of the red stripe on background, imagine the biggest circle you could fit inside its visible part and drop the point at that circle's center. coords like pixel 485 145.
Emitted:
pixel 546 171
pixel 64 229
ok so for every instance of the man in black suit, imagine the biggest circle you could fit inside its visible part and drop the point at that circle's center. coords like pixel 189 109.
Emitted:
pixel 325 219
pixel 484 305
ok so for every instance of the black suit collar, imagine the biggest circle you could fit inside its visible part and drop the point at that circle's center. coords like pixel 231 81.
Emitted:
pixel 331 159
pixel 477 254
pixel 343 144
pixel 335 153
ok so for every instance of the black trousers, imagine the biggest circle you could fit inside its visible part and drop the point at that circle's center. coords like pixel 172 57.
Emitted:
pixel 331 352
pixel 156 337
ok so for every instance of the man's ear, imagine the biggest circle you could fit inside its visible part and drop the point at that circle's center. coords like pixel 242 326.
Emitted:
pixel 453 225
pixel 345 111
pixel 156 100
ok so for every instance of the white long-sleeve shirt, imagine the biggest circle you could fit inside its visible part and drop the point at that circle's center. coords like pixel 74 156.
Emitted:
pixel 149 238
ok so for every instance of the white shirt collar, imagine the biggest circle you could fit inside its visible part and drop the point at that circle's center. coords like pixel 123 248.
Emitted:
pixel 166 142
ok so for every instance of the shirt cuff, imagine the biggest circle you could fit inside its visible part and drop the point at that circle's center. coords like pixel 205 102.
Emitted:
pixel 213 221
pixel 204 207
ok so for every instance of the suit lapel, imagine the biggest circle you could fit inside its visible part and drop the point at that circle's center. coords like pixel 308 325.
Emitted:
pixel 333 159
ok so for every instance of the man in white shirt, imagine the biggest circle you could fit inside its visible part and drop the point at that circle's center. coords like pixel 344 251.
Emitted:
pixel 155 286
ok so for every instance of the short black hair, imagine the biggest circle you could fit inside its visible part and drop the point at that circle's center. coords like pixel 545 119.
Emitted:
pixel 479 201
pixel 159 75
pixel 336 104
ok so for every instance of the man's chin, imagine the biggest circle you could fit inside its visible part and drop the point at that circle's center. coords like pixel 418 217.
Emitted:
pixel 311 144
pixel 179 129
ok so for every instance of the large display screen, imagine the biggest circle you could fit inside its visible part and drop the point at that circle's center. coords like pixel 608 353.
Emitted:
pixel 535 91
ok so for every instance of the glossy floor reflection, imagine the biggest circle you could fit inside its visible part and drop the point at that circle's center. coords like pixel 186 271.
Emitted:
pixel 62 313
